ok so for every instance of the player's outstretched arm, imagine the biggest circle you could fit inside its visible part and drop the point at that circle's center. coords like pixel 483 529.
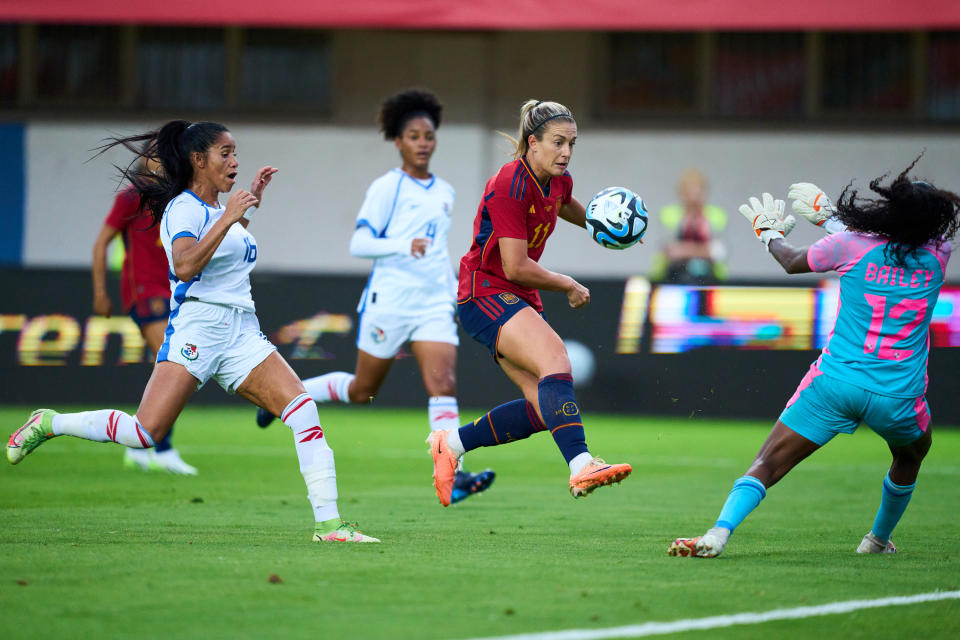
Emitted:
pixel 792 259
pixel 770 227
pixel 810 202
pixel 519 268
pixel 767 219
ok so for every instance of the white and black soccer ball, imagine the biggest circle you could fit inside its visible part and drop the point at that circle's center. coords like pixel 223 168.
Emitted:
pixel 616 218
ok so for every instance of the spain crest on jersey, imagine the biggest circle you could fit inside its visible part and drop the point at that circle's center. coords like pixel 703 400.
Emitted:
pixel 509 298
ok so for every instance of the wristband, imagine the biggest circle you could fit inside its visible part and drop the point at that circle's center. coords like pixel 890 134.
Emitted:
pixel 767 235
pixel 248 214
pixel 832 225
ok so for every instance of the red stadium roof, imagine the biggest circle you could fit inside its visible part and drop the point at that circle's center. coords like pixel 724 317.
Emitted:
pixel 612 15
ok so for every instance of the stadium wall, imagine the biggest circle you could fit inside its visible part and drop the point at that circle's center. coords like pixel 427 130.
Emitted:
pixel 310 209
pixel 741 353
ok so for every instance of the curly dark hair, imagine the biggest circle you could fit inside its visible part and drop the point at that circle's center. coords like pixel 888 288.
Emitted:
pixel 909 213
pixel 399 109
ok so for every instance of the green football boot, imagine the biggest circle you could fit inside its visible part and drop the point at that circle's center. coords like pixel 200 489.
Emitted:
pixel 37 430
pixel 345 532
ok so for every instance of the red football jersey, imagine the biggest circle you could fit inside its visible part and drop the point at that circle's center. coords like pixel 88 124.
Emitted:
pixel 145 271
pixel 514 205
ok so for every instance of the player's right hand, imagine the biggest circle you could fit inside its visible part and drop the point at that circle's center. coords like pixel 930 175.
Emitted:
pixel 811 202
pixel 578 295
pixel 238 204
pixel 102 305
pixel 767 218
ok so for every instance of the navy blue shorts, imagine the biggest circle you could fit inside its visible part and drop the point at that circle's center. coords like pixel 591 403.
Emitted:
pixel 484 317
pixel 155 309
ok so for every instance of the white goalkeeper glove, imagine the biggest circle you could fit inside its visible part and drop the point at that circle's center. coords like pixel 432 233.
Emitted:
pixel 767 218
pixel 812 203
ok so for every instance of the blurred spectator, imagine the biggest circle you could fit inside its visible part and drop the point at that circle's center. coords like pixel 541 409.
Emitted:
pixel 692 253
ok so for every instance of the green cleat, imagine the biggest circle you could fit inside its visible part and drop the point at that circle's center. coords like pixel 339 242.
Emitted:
pixel 346 532
pixel 35 431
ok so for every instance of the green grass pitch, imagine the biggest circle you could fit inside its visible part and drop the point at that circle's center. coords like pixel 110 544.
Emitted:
pixel 89 549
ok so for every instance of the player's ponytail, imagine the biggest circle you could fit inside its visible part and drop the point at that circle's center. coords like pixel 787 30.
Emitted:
pixel 172 146
pixel 909 213
pixel 534 115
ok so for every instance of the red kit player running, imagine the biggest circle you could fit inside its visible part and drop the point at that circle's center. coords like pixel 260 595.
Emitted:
pixel 499 304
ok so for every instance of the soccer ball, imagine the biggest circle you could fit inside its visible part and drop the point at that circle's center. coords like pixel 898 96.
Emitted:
pixel 616 218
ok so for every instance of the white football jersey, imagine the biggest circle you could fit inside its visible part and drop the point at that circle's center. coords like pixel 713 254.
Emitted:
pixel 226 278
pixel 397 209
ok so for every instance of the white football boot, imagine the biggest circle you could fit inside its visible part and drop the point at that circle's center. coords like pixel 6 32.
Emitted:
pixel 873 544
pixel 171 462
pixel 709 545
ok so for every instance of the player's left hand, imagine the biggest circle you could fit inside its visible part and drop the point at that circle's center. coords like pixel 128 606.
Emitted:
pixel 811 202
pixel 260 182
pixel 419 246
pixel 767 219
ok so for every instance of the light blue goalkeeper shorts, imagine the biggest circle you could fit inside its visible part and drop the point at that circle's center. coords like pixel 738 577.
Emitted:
pixel 824 406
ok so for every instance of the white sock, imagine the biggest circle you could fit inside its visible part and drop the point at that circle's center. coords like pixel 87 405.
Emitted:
pixel 720 533
pixel 453 441
pixel 579 462
pixel 444 414
pixel 105 425
pixel 315 455
pixel 330 387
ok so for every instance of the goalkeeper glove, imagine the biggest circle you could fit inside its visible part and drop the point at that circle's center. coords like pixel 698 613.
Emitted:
pixel 812 203
pixel 767 218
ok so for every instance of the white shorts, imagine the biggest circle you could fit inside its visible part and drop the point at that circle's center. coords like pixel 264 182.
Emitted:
pixel 382 335
pixel 215 341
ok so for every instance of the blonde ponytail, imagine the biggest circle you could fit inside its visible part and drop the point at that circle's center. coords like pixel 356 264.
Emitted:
pixel 534 114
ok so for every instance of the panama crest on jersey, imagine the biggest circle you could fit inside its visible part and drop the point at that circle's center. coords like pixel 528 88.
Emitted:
pixel 378 335
pixel 190 351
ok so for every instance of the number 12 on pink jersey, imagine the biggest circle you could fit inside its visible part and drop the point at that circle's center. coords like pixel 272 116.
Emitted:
pixel 879 306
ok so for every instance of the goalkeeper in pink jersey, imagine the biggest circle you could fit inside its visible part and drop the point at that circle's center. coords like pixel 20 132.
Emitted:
pixel 891 253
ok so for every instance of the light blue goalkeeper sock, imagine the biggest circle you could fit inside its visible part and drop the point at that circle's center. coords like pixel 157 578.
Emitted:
pixel 893 502
pixel 746 494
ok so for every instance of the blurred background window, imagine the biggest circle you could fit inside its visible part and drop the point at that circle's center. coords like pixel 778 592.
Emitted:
pixel 652 73
pixel 9 71
pixel 759 75
pixel 79 64
pixel 285 68
pixel 867 73
pixel 181 68
pixel 943 76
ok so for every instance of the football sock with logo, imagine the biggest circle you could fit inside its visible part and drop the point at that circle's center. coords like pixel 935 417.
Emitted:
pixel 330 387
pixel 104 425
pixel 746 494
pixel 443 413
pixel 315 455
pixel 562 415
pixel 514 420
pixel 166 443
pixel 893 502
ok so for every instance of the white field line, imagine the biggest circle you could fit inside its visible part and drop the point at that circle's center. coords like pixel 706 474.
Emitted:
pixel 714 622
